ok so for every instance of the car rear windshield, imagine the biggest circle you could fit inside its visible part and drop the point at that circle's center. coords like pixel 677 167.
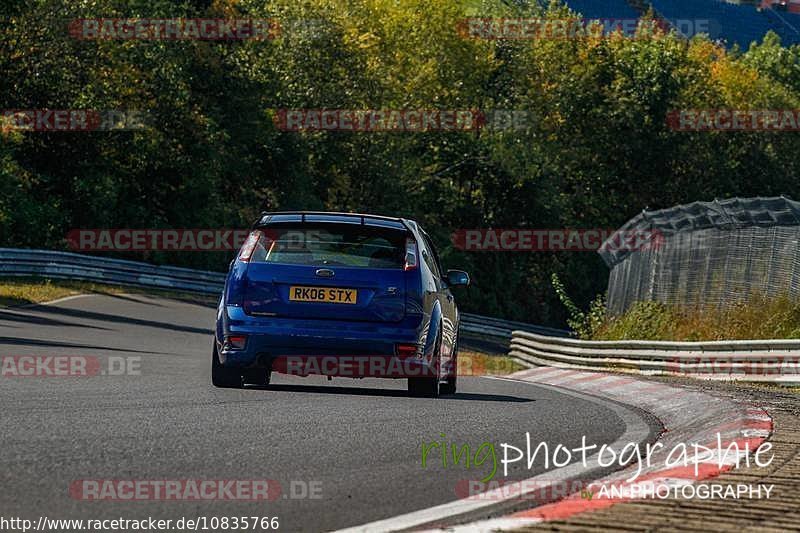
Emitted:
pixel 352 245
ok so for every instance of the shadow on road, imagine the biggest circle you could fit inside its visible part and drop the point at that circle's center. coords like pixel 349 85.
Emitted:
pixel 394 393
pixel 42 321
pixel 59 344
pixel 94 315
pixel 150 299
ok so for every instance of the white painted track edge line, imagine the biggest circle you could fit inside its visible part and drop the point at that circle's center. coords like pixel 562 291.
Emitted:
pixel 52 302
pixel 636 430
pixel 491 525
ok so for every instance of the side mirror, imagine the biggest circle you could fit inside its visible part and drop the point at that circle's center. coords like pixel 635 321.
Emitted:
pixel 457 278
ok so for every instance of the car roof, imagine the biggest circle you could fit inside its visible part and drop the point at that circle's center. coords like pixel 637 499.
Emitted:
pixel 283 217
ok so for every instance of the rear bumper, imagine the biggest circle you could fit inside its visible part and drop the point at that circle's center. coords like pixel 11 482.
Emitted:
pixel 353 366
pixel 327 347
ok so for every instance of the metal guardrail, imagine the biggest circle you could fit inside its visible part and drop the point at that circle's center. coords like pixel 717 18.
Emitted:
pixel 65 265
pixel 775 361
pixel 483 326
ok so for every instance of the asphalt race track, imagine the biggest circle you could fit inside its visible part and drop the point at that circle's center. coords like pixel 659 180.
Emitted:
pixel 355 442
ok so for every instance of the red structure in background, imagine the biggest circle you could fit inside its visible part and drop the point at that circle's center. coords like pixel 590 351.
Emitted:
pixel 792 6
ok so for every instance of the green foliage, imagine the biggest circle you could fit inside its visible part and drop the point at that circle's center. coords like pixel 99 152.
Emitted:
pixel 596 316
pixel 596 151
pixel 648 321
pixel 576 316
pixel 759 317
pixel 584 324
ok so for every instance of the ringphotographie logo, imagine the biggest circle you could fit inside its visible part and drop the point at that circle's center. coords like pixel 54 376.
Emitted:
pixel 491 459
pixel 174 29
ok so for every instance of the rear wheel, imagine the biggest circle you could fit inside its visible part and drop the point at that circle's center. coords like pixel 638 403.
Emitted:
pixel 256 376
pixel 227 378
pixel 428 387
pixel 449 387
pixel 425 387
pixel 452 380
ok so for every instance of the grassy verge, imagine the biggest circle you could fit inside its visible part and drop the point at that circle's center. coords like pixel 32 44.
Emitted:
pixel 759 318
pixel 471 363
pixel 770 387
pixel 21 291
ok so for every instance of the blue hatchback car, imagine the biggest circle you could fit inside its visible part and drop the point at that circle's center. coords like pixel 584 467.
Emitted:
pixel 338 294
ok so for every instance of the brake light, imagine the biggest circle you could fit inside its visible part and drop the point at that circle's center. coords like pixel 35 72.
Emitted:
pixel 234 342
pixel 411 254
pixel 406 350
pixel 249 245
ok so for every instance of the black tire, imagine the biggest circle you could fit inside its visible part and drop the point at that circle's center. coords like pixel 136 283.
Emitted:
pixel 256 376
pixel 428 387
pixel 452 381
pixel 450 387
pixel 226 378
pixel 423 387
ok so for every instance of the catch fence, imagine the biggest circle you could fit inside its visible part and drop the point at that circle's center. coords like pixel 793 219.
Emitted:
pixel 708 253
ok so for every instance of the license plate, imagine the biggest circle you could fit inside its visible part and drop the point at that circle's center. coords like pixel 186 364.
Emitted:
pixel 328 295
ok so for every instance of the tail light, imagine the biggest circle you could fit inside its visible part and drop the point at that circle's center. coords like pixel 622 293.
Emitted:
pixel 250 245
pixel 411 254
pixel 406 350
pixel 234 342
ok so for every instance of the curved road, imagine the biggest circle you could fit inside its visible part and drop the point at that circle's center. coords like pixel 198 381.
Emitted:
pixel 356 442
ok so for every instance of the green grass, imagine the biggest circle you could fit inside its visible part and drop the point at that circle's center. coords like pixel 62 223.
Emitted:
pixel 20 291
pixel 480 364
pixel 758 318
pixel 770 387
